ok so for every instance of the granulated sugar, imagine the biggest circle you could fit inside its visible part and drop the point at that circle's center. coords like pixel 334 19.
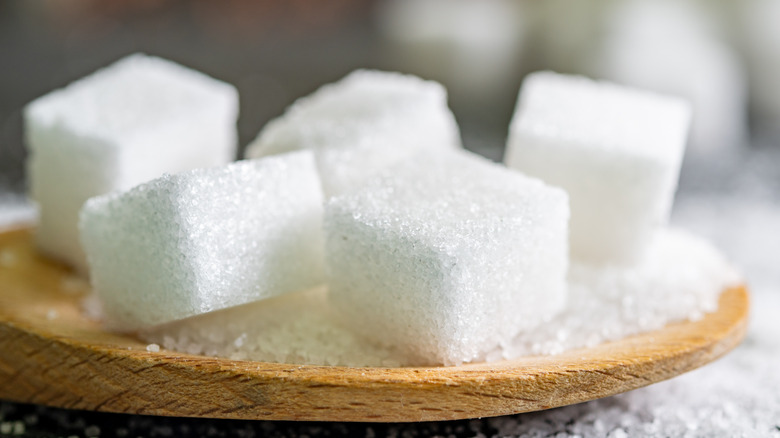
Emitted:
pixel 294 328
pixel 680 279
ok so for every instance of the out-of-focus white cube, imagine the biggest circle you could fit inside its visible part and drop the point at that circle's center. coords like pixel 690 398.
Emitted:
pixel 473 47
pixel 668 47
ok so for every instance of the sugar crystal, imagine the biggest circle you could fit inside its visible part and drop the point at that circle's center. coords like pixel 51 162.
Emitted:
pixel 206 239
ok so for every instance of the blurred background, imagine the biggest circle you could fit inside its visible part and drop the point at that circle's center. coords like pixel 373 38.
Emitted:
pixel 722 55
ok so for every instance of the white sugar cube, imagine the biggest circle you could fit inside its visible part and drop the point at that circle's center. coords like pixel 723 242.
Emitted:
pixel 361 124
pixel 617 152
pixel 121 126
pixel 206 239
pixel 446 256
pixel 686 60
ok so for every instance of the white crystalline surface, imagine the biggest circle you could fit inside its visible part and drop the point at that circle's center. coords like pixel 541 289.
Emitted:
pixel 615 150
pixel 298 328
pixel 361 124
pixel 118 127
pixel 444 256
pixel 680 279
pixel 206 239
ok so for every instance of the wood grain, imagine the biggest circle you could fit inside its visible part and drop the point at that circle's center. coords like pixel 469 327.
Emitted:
pixel 50 354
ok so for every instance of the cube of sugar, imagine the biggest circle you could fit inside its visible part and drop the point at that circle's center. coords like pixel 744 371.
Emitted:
pixel 685 60
pixel 121 126
pixel 445 256
pixel 206 239
pixel 365 122
pixel 617 152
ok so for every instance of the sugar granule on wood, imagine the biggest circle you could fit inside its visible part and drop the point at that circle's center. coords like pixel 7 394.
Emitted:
pixel 680 279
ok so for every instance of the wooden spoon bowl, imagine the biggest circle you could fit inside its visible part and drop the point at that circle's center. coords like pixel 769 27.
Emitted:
pixel 51 354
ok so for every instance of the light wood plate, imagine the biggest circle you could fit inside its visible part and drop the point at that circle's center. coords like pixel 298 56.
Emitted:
pixel 50 354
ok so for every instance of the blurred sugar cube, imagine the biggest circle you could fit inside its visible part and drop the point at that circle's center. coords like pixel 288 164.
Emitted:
pixel 761 22
pixel 565 33
pixel 361 124
pixel 670 47
pixel 121 126
pixel 204 240
pixel 617 152
pixel 474 47
pixel 445 257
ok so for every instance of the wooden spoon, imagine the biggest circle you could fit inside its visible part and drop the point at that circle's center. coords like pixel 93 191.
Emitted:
pixel 50 354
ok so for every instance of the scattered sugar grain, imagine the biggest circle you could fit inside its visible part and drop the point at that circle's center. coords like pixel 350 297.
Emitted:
pixel 680 279
pixel 92 431
pixel 18 428
pixel 153 348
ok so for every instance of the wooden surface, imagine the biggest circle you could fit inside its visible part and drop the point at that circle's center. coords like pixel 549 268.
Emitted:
pixel 50 354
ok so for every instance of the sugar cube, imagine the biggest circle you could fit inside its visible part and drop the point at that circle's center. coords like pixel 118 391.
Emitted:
pixel 205 239
pixel 617 152
pixel 445 256
pixel 686 60
pixel 357 126
pixel 121 126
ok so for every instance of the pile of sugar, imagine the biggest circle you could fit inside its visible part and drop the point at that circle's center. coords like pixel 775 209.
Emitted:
pixel 680 279
pixel 294 328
